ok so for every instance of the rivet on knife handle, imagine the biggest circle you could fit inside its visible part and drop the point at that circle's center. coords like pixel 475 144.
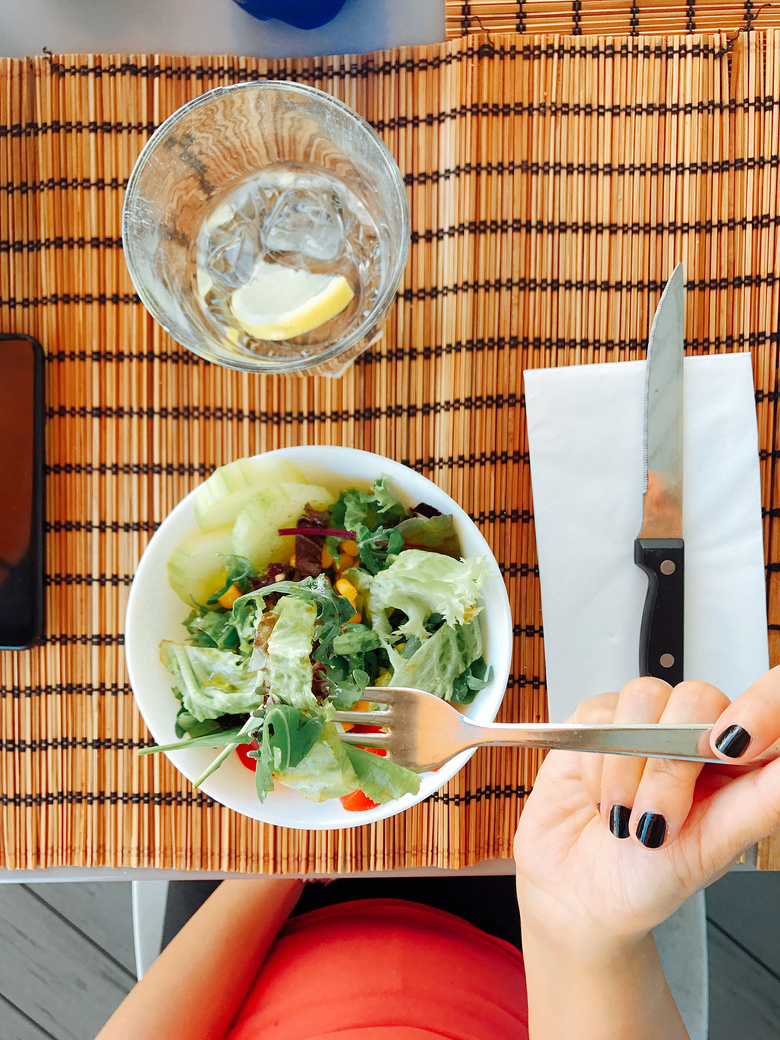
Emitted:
pixel 661 635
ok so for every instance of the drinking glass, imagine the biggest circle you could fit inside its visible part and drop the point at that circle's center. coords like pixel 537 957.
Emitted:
pixel 253 178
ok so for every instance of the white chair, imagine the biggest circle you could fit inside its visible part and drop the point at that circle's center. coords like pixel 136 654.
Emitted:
pixel 682 946
pixel 149 899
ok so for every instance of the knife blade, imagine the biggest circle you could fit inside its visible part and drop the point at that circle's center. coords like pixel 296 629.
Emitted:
pixel 659 548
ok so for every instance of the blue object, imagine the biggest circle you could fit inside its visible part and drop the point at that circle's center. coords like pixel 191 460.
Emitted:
pixel 303 14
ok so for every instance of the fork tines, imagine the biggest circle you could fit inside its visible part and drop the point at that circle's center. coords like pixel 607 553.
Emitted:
pixel 363 718
pixel 367 718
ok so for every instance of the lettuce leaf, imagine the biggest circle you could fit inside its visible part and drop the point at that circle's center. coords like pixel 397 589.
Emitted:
pixel 345 672
pixel 325 772
pixel 287 671
pixel 439 661
pixel 419 584
pixel 434 533
pixel 211 682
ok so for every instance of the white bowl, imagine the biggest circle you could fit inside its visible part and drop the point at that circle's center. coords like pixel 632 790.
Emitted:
pixel 155 612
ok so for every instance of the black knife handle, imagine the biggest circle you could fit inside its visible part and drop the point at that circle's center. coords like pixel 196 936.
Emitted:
pixel 662 634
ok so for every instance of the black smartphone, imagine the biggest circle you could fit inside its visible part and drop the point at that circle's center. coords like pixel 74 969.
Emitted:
pixel 22 482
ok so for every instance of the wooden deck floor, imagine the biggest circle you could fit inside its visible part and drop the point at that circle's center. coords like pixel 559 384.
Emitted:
pixel 66 958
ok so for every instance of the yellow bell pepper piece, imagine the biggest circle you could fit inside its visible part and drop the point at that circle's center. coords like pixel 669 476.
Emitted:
pixel 357 706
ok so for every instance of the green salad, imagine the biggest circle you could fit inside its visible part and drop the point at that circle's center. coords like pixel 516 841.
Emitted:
pixel 301 596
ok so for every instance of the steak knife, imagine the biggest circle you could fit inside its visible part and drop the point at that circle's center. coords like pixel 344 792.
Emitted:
pixel 659 548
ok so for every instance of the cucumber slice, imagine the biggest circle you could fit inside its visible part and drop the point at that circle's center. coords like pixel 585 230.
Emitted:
pixel 195 571
pixel 255 532
pixel 222 497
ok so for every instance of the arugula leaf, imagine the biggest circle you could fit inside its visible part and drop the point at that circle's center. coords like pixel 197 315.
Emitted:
pixel 373 508
pixel 333 545
pixel 186 723
pixel 239 571
pixel 244 736
pixel 356 639
pixel 264 781
pixel 347 678
pixel 290 735
pixel 379 778
pixel 223 738
pixel 468 684
pixel 376 547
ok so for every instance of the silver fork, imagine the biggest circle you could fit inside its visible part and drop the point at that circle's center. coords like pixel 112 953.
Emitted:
pixel 423 732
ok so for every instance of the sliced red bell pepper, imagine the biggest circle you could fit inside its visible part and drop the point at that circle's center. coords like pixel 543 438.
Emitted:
pixel 356 801
pixel 243 753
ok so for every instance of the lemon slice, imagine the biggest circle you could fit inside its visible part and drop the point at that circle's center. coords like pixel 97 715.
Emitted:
pixel 280 302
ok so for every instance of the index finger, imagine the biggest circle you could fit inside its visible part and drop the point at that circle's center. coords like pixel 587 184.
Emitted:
pixel 751 723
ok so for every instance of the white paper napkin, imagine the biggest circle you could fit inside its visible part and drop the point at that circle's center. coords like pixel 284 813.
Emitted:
pixel 585 437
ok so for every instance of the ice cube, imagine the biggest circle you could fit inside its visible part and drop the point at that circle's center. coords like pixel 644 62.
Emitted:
pixel 252 203
pixel 304 221
pixel 229 257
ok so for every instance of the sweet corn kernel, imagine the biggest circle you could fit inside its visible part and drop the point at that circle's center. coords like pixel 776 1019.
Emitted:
pixel 292 560
pixel 346 589
pixel 227 599
pixel 350 546
pixel 346 561
pixel 326 559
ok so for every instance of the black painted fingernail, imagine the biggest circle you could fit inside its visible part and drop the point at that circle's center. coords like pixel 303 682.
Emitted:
pixel 619 815
pixel 651 830
pixel 733 741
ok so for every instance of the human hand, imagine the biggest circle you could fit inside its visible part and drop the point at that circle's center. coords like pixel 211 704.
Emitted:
pixel 681 824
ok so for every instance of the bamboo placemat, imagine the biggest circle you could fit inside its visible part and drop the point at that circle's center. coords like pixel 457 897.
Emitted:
pixel 553 183
pixel 607 17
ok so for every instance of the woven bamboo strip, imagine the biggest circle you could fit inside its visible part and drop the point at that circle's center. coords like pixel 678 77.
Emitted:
pixel 503 203
pixel 603 17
